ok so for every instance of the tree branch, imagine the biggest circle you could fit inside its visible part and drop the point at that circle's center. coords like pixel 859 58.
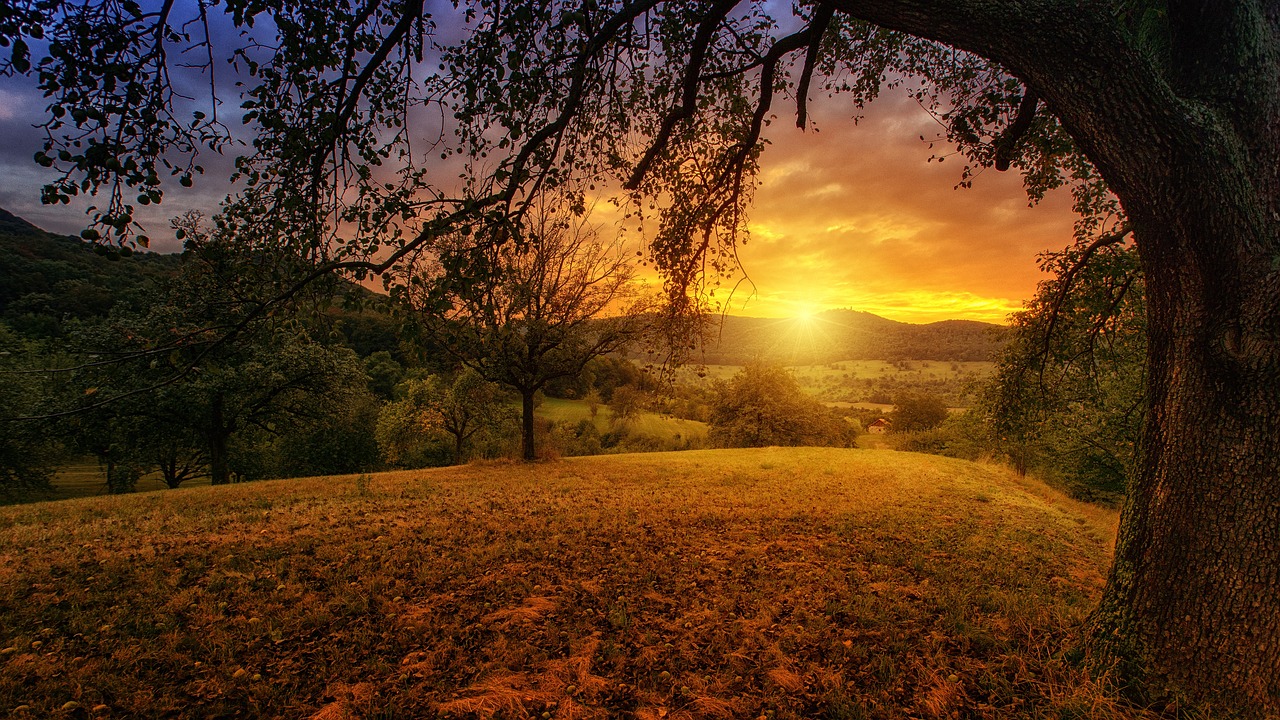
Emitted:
pixel 1008 141
pixel 822 15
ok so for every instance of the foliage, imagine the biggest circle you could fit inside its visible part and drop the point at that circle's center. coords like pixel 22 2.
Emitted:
pixel 1067 397
pixel 340 442
pixel 533 309
pixel 47 281
pixel 626 404
pixel 437 421
pixel 763 405
pixel 27 451
pixel 917 411
pixel 965 435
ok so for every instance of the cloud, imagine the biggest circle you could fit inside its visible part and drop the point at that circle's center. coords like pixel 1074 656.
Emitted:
pixel 857 216
pixel 848 215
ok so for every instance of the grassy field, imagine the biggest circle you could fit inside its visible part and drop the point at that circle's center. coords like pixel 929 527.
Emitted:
pixel 776 583
pixel 865 369
pixel 858 382
pixel 646 424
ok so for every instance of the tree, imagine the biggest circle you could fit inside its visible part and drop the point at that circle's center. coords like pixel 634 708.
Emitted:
pixel 470 406
pixel 1169 104
pixel 626 404
pixel 27 452
pixel 763 405
pixel 433 412
pixel 1067 395
pixel 917 411
pixel 532 309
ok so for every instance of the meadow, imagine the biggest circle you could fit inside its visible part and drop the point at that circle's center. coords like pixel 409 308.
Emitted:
pixel 663 428
pixel 775 583
pixel 858 382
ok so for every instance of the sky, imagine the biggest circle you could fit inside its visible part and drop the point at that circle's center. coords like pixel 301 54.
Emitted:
pixel 856 216
pixel 848 216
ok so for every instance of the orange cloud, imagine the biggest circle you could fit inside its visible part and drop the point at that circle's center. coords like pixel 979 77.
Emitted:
pixel 856 216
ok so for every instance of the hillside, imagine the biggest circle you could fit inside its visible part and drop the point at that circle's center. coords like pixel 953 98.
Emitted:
pixel 780 582
pixel 849 335
pixel 46 279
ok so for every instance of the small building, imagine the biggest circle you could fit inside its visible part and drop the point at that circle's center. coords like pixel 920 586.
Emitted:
pixel 879 427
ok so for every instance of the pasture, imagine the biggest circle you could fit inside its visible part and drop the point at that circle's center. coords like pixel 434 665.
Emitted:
pixel 776 583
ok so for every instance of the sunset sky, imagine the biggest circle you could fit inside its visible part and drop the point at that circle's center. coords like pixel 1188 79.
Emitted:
pixel 850 216
pixel 855 216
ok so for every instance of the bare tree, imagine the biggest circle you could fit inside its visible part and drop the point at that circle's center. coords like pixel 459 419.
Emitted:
pixel 525 308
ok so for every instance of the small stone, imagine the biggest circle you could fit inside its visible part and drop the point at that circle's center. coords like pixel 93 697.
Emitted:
pixel 70 705
pixel 664 675
pixel 256 677
pixel 953 678
pixel 239 674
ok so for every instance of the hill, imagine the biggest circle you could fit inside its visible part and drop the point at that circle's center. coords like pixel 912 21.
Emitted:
pixel 779 582
pixel 46 279
pixel 837 335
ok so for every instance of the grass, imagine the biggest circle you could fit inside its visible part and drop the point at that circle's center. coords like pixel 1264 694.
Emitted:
pixel 85 478
pixel 867 369
pixel 647 424
pixel 776 583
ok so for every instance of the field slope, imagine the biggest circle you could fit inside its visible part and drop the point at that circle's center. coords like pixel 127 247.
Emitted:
pixel 777 583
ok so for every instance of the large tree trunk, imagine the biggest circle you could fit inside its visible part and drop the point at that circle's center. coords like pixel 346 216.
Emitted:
pixel 526 425
pixel 1186 131
pixel 1191 605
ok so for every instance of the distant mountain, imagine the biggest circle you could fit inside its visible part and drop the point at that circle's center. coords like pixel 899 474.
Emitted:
pixel 850 335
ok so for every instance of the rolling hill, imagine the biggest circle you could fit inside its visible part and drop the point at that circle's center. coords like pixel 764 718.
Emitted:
pixel 782 583
pixel 837 335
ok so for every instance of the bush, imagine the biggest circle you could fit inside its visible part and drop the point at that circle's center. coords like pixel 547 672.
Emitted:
pixel 763 405
pixel 917 411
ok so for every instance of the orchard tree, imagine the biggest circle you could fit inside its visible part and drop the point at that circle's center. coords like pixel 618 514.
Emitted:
pixel 763 405
pixel 431 412
pixel 917 411
pixel 528 310
pixel 1161 114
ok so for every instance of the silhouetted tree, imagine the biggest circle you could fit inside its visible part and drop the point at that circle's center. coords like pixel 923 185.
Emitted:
pixel 533 308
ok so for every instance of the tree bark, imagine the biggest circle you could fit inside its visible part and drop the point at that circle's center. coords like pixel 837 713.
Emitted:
pixel 219 471
pixel 1188 137
pixel 1191 606
pixel 526 425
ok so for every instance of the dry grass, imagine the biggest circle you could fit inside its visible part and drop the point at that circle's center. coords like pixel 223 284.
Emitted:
pixel 781 583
